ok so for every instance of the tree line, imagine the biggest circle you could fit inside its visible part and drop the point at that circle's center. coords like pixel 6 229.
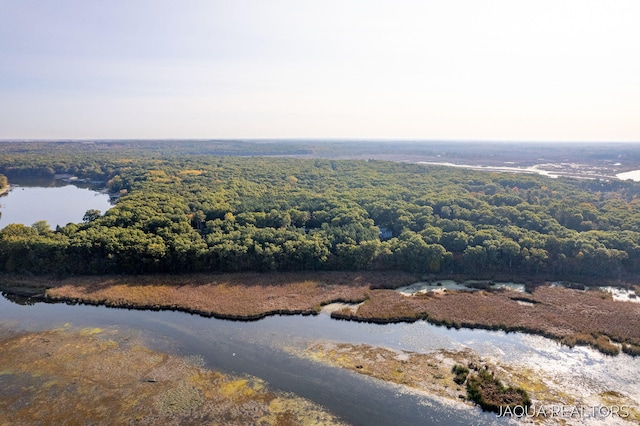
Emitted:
pixel 201 213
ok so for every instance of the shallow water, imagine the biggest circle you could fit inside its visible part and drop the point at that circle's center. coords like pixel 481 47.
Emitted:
pixel 257 348
pixel 260 349
pixel 469 285
pixel 622 294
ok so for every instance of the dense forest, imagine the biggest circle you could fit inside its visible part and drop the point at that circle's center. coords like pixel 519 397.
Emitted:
pixel 243 209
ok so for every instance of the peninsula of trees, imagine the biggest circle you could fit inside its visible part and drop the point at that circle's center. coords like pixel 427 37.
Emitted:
pixel 3 183
pixel 185 211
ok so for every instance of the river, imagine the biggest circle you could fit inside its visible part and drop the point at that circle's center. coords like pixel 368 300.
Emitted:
pixel 258 349
pixel 262 349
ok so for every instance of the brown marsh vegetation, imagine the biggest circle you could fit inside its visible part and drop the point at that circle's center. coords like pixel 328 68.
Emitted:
pixel 570 316
pixel 107 377
pixel 233 296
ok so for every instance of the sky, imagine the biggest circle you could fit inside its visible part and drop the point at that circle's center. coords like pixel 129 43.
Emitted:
pixel 543 70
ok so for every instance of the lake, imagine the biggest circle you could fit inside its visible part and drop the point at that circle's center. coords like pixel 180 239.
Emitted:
pixel 57 202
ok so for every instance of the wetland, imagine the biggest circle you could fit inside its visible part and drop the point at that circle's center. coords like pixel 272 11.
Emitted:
pixel 344 371
pixel 293 291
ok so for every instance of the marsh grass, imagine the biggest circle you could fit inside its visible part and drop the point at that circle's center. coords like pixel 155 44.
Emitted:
pixel 491 395
pixel 234 296
pixel 570 316
pixel 595 340
pixel 426 372
pixel 441 373
pixel 631 349
pixel 460 373
pixel 65 377
pixel 573 317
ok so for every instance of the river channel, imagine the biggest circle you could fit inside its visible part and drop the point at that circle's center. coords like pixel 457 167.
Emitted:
pixel 259 349
pixel 263 349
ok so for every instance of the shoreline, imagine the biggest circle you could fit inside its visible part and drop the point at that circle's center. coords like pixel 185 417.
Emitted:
pixel 112 376
pixel 557 313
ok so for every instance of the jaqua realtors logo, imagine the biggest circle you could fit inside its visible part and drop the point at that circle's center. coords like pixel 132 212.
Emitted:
pixel 565 411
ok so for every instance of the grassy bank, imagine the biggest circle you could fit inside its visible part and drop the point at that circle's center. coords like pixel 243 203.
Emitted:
pixel 244 296
pixel 571 316
pixel 107 377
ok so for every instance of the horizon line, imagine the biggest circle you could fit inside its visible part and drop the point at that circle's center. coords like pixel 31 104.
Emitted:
pixel 321 139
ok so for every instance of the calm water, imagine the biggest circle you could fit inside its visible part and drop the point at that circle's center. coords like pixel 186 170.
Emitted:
pixel 258 349
pixel 261 349
pixel 57 205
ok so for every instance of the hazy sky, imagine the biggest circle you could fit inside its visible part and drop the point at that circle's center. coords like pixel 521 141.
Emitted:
pixel 450 69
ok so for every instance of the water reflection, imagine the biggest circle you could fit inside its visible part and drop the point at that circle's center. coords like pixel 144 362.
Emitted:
pixel 19 300
pixel 257 348
pixel 262 348
pixel 51 200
